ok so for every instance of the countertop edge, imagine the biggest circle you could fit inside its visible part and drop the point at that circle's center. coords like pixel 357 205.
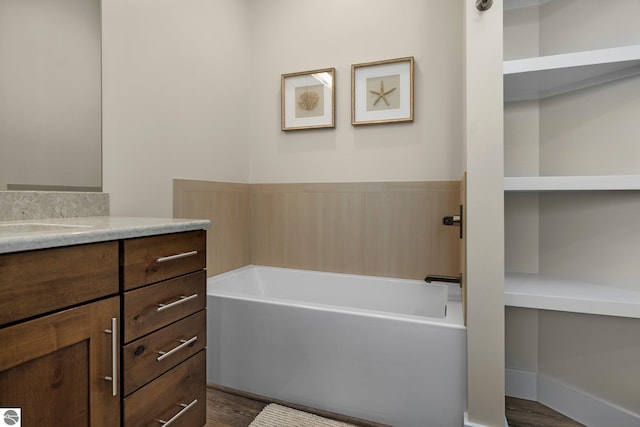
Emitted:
pixel 125 228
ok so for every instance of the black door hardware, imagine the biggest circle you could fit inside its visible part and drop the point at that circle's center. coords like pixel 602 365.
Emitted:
pixel 454 220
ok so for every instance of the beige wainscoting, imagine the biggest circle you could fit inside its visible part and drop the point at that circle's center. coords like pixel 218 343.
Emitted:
pixel 380 229
pixel 227 206
pixel 384 229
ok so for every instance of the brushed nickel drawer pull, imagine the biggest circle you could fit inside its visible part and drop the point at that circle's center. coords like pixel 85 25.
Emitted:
pixel 114 355
pixel 184 343
pixel 177 256
pixel 184 409
pixel 182 299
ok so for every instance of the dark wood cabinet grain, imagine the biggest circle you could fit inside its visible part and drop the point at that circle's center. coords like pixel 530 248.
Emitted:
pixel 152 259
pixel 179 393
pixel 141 315
pixel 140 362
pixel 54 367
pixel 42 281
pixel 164 300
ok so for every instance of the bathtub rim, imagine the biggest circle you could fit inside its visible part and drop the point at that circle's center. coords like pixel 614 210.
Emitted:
pixel 454 318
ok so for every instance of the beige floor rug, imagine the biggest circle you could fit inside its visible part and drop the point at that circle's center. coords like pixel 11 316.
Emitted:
pixel 280 416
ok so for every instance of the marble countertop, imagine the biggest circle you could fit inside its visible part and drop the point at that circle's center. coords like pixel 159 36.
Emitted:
pixel 16 236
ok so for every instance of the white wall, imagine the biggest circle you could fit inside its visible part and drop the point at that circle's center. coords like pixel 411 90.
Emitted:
pixel 175 98
pixel 192 90
pixel 521 331
pixel 593 25
pixel 292 35
pixel 189 85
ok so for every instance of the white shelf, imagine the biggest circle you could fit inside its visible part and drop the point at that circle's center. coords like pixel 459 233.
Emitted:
pixel 541 292
pixel 545 76
pixel 572 183
pixel 519 4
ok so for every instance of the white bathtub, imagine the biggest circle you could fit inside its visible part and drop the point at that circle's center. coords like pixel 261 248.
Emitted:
pixel 386 350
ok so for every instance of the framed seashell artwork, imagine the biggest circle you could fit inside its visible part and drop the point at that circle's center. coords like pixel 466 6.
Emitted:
pixel 382 92
pixel 308 99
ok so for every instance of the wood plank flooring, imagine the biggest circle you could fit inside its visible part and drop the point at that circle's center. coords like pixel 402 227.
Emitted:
pixel 233 408
pixel 227 408
pixel 526 413
pixel 230 410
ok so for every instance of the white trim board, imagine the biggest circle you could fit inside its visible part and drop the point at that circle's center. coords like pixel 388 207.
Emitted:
pixel 468 423
pixel 577 404
pixel 521 384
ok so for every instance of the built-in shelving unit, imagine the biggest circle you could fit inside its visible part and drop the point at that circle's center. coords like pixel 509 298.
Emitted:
pixel 572 206
pixel 540 78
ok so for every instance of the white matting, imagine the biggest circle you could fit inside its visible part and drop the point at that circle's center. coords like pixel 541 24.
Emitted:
pixel 280 416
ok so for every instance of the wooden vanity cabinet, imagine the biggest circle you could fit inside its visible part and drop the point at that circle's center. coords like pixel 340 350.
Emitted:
pixel 164 330
pixel 59 365
pixel 69 357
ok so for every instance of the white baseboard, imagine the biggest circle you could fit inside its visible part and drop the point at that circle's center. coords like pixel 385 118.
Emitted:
pixel 521 384
pixel 468 423
pixel 577 404
pixel 583 407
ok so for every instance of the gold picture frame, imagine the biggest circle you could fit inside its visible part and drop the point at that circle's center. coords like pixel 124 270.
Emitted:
pixel 382 92
pixel 308 99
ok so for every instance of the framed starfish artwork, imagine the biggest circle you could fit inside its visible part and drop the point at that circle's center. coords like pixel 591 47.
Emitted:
pixel 308 99
pixel 382 92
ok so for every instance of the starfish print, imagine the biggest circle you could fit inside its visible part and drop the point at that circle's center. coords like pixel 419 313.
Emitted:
pixel 382 94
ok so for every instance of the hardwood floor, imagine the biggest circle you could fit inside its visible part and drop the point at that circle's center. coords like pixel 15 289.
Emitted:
pixel 526 413
pixel 227 408
pixel 232 408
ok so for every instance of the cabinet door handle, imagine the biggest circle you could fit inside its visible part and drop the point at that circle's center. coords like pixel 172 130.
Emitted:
pixel 184 343
pixel 184 409
pixel 114 355
pixel 180 300
pixel 177 256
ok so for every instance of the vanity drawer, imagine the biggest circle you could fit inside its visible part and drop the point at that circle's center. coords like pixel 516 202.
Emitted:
pixel 152 259
pixel 180 394
pixel 41 281
pixel 153 307
pixel 142 361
